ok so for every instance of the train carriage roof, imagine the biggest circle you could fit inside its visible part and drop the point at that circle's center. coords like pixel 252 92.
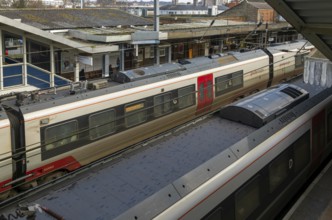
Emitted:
pixel 290 47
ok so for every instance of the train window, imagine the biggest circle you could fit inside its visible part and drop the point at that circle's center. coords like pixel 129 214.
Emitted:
pixel 59 135
pixel 222 83
pixel 135 114
pixel 209 90
pixel 279 171
pixel 329 127
pixel 247 199
pixel 229 82
pixel 302 152
pixel 237 79
pixel 215 215
pixel 101 124
pixel 186 96
pixel 299 60
pixel 201 92
pixel 162 104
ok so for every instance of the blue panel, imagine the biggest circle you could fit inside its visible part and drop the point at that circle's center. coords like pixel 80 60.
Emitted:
pixel 38 74
pixel 60 82
pixel 35 82
pixel 12 81
pixel 12 70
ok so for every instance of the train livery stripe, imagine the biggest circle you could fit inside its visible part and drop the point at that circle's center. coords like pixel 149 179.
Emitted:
pixel 68 163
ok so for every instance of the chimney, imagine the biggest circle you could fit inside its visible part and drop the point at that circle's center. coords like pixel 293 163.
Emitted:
pixel 195 2
pixel 174 2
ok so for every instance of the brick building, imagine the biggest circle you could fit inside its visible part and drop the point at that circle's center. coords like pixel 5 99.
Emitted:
pixel 250 10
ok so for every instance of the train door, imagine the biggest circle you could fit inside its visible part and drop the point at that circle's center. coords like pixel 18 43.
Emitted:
pixel 271 65
pixel 18 145
pixel 205 93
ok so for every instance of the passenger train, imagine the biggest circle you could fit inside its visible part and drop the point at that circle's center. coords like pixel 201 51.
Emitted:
pixel 45 134
pixel 270 166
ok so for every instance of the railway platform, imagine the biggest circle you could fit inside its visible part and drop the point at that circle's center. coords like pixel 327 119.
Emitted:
pixel 316 201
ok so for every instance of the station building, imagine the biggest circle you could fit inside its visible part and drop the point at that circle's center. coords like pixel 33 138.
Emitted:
pixel 53 47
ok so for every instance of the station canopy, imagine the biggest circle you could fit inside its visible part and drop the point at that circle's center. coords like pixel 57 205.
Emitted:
pixel 313 19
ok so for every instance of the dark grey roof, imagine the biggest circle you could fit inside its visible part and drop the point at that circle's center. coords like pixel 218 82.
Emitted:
pixel 74 18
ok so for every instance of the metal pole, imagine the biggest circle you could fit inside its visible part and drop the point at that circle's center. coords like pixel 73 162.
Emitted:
pixel 52 66
pixel 156 28
pixel 156 15
pixel 266 30
pixel 25 69
pixel 77 69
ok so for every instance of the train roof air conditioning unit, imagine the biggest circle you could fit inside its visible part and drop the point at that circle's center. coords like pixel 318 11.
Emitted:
pixel 98 84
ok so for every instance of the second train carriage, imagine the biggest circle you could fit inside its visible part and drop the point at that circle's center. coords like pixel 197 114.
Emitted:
pixel 256 177
pixel 60 132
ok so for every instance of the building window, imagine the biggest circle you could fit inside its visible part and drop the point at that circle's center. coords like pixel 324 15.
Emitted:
pixel 162 52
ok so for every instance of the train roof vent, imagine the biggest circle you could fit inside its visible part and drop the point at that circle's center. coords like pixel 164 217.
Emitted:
pixel 184 62
pixel 294 93
pixel 149 72
pixel 259 109
pixel 172 75
pixel 98 84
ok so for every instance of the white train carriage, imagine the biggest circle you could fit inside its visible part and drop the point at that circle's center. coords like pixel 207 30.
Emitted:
pixel 265 176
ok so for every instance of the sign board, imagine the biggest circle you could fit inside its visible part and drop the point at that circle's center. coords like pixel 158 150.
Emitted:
pixel 88 60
